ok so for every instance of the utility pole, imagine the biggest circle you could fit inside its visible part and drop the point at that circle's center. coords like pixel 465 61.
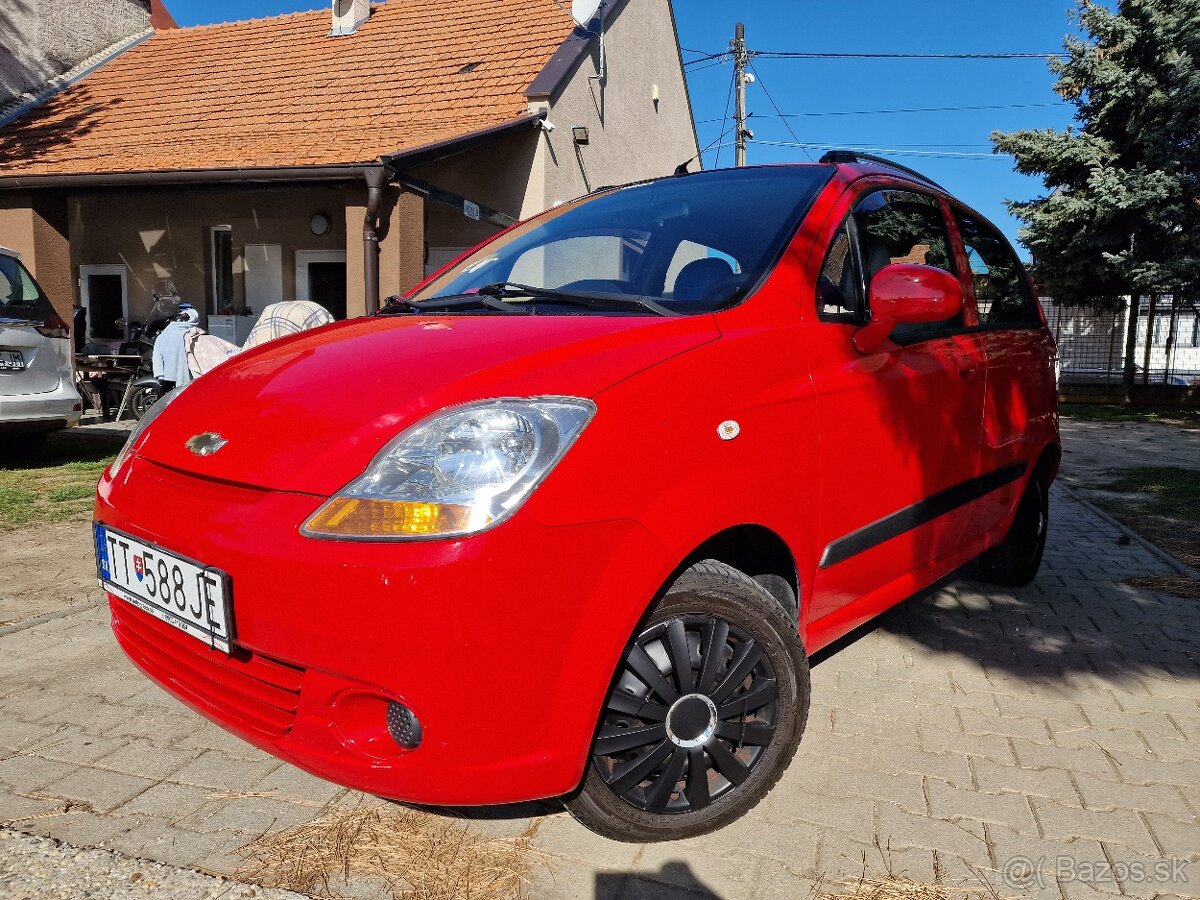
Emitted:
pixel 740 58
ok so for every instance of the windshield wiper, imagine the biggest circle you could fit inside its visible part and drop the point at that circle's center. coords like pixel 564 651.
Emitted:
pixel 590 299
pixel 399 305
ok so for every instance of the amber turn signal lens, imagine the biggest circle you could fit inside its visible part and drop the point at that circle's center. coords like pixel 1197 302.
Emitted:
pixel 360 517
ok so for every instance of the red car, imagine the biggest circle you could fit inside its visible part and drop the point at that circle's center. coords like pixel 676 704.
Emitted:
pixel 570 519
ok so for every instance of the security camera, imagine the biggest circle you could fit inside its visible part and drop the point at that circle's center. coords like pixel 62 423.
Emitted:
pixel 548 126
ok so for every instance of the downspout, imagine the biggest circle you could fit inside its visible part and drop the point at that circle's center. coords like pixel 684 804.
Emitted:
pixel 376 180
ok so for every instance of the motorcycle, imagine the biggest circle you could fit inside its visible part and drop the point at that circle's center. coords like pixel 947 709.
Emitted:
pixel 139 341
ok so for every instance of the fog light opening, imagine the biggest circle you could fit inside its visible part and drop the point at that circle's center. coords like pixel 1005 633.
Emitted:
pixel 403 726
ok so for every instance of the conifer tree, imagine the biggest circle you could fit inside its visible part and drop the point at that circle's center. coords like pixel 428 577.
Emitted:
pixel 1121 216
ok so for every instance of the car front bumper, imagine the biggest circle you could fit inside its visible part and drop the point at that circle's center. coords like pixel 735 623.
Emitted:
pixel 503 645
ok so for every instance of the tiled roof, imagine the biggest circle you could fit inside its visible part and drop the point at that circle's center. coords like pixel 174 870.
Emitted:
pixel 281 92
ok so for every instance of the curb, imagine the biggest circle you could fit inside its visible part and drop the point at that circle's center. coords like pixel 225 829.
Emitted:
pixel 1177 564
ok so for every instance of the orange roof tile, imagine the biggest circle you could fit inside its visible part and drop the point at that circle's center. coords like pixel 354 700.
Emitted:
pixel 281 92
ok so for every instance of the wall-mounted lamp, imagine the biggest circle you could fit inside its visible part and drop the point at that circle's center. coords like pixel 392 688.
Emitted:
pixel 580 134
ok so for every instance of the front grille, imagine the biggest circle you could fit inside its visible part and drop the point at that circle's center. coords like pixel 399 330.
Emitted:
pixel 246 690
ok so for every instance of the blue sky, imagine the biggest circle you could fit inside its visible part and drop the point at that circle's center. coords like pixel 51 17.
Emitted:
pixel 824 90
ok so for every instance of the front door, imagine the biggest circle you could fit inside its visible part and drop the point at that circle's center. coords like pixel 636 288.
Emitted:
pixel 321 278
pixel 899 427
pixel 102 292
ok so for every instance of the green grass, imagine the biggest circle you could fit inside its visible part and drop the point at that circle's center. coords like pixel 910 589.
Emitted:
pixel 54 482
pixel 1107 412
pixel 1175 492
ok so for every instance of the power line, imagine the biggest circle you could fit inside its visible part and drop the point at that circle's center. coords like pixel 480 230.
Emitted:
pixel 883 112
pixel 725 118
pixel 719 62
pixel 791 130
pixel 785 54
pixel 790 54
pixel 888 151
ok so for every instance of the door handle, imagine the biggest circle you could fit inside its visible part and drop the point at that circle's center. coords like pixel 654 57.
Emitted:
pixel 966 373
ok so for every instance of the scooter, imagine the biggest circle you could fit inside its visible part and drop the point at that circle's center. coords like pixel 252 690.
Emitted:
pixel 146 390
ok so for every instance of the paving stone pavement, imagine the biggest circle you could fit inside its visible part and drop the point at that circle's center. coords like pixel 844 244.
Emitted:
pixel 1045 740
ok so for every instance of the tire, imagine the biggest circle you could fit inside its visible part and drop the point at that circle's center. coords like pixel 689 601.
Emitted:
pixel 1015 561
pixel 142 399
pixel 684 750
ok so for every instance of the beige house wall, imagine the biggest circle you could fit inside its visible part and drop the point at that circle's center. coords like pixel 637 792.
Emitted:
pixel 164 235
pixel 632 137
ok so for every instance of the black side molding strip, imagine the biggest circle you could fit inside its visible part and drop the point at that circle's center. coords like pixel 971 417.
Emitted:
pixel 918 514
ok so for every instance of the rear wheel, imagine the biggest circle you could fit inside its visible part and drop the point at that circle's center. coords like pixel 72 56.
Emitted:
pixel 1016 560
pixel 705 715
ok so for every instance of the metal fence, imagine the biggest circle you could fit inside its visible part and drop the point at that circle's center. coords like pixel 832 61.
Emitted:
pixel 1092 347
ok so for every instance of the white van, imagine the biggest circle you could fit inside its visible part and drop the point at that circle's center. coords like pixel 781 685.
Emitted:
pixel 37 374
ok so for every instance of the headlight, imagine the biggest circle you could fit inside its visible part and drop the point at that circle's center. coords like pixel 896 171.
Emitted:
pixel 143 423
pixel 458 473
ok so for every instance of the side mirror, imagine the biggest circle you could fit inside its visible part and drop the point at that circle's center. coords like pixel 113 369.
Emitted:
pixel 905 293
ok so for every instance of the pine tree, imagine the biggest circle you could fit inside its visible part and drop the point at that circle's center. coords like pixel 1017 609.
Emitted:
pixel 1122 213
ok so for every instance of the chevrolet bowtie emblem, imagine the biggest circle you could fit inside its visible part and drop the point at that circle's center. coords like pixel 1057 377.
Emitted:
pixel 206 444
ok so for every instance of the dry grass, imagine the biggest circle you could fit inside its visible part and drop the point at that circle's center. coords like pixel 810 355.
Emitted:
pixel 898 887
pixel 892 885
pixel 413 854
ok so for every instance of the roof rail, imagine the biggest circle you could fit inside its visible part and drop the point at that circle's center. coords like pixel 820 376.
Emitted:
pixel 853 156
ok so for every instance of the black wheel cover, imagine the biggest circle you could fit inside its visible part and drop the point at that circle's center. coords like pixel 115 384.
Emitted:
pixel 692 712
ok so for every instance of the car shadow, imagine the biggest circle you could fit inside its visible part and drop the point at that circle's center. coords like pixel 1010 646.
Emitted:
pixel 1076 618
pixel 59 448
pixel 673 880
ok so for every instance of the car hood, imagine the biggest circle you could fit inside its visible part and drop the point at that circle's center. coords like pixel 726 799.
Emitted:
pixel 308 413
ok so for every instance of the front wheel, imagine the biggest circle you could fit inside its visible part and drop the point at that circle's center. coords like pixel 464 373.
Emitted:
pixel 1015 561
pixel 142 399
pixel 706 712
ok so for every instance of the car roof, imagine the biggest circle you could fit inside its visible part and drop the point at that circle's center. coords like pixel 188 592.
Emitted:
pixel 4 251
pixel 851 162
pixel 866 164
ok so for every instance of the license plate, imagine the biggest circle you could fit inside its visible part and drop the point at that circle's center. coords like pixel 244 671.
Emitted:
pixel 191 596
pixel 11 361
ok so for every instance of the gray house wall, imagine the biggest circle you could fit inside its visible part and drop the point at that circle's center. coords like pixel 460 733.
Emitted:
pixel 631 136
pixel 43 39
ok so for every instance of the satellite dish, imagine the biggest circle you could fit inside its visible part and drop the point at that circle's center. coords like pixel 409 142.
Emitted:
pixel 583 11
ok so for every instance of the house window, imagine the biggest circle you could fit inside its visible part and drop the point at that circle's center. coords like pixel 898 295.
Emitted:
pixel 221 299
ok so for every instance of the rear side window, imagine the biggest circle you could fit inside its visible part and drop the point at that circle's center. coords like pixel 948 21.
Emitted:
pixel 20 297
pixel 1001 291
pixel 905 227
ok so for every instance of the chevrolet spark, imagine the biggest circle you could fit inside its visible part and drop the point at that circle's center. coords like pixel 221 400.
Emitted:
pixel 569 519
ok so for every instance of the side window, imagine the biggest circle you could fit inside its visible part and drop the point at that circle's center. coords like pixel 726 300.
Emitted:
pixel 905 227
pixel 837 285
pixel 1001 291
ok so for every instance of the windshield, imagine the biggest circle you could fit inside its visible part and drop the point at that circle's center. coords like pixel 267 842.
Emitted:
pixel 690 244
pixel 20 296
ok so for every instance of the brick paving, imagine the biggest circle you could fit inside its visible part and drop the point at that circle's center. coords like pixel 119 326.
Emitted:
pixel 971 733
